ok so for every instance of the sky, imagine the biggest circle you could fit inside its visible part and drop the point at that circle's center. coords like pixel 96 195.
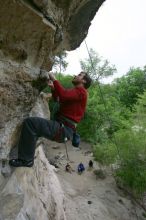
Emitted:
pixel 118 34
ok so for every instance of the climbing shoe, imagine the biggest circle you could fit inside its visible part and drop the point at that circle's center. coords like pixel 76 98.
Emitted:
pixel 20 163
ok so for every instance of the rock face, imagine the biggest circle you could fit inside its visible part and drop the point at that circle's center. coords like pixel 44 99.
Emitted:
pixel 32 32
pixel 32 193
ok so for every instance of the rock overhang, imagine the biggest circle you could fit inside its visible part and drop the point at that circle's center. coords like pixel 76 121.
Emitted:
pixel 33 31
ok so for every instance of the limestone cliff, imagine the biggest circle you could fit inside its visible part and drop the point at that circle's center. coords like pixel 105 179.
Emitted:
pixel 32 193
pixel 32 32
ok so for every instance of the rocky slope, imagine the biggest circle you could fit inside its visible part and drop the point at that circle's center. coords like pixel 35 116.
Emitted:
pixel 89 196
pixel 32 32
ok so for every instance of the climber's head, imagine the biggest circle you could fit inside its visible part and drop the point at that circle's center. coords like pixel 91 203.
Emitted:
pixel 82 79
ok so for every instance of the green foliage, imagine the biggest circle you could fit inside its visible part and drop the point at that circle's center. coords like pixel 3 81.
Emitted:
pixel 129 156
pixel 140 112
pixel 132 170
pixel 105 153
pixel 130 86
pixel 97 68
pixel 96 119
pixel 128 152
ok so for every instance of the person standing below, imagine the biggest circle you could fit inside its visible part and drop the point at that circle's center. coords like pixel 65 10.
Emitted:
pixel 72 107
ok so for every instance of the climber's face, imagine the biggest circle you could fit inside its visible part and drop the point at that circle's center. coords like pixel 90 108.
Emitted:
pixel 78 79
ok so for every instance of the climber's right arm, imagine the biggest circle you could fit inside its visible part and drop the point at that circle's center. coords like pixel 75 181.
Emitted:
pixel 53 91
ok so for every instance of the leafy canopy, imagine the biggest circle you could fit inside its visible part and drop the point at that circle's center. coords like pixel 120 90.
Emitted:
pixel 96 66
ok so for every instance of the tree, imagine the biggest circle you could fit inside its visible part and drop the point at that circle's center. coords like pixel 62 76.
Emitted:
pixel 140 112
pixel 96 66
pixel 130 86
pixel 60 63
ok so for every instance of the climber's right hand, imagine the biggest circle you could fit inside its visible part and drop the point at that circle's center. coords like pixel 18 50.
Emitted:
pixel 50 84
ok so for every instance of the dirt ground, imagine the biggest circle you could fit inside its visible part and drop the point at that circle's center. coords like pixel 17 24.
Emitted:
pixel 88 197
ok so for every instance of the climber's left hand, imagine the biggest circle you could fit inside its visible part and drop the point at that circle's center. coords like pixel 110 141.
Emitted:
pixel 52 77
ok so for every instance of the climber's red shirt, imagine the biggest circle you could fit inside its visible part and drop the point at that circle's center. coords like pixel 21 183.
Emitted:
pixel 72 101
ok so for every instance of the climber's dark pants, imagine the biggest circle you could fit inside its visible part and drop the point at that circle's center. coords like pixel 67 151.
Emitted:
pixel 35 127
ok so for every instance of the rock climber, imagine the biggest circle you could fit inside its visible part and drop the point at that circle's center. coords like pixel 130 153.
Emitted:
pixel 72 107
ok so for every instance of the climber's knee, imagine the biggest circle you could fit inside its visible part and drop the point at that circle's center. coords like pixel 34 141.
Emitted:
pixel 29 120
pixel 26 120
